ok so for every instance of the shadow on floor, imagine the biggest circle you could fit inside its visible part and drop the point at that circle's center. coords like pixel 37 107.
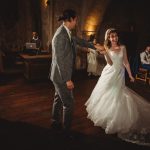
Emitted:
pixel 23 136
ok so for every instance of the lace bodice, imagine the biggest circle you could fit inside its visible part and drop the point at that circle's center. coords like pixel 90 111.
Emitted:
pixel 117 57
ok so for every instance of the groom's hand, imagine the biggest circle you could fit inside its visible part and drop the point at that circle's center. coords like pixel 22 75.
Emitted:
pixel 99 47
pixel 70 85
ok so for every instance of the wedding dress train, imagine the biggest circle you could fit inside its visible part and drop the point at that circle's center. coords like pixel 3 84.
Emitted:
pixel 115 107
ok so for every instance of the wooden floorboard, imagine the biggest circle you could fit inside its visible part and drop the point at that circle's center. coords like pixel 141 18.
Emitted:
pixel 25 112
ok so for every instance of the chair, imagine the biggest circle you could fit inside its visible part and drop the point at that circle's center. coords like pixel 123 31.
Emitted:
pixel 142 75
pixel 148 77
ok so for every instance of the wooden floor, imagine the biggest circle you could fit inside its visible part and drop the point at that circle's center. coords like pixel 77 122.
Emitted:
pixel 25 112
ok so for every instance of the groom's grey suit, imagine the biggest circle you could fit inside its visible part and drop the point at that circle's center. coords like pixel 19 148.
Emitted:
pixel 63 59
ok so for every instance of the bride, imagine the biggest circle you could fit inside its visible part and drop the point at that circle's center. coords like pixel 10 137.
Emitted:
pixel 112 105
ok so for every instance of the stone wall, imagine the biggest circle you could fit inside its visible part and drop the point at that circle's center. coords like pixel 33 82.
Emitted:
pixel 131 19
pixel 18 19
pixel 89 14
pixel 50 14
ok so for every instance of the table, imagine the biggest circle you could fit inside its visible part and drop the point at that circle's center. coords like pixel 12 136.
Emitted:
pixel 36 66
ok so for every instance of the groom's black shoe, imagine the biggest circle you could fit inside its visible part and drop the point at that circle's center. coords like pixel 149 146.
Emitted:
pixel 67 134
pixel 56 126
pixel 71 135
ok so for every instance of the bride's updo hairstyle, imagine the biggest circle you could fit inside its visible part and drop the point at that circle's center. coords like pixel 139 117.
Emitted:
pixel 107 42
pixel 67 15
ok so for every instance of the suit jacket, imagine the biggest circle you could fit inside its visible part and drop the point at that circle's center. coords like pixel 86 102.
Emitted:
pixel 63 55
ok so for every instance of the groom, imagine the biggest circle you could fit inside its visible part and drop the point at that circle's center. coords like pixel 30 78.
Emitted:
pixel 63 59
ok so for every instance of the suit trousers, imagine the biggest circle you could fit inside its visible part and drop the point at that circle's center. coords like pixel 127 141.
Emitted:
pixel 146 66
pixel 62 105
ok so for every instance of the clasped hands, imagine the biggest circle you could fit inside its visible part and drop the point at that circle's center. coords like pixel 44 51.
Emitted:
pixel 101 49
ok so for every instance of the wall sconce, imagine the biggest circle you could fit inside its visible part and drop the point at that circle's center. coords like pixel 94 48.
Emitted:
pixel 87 34
pixel 46 3
pixel 90 26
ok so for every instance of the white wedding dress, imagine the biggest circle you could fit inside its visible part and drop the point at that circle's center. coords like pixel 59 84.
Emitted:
pixel 115 107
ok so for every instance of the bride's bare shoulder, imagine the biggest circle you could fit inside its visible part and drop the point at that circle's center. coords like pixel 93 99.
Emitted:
pixel 122 46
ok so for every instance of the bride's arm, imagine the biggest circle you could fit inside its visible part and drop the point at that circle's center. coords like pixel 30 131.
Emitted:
pixel 127 65
pixel 103 51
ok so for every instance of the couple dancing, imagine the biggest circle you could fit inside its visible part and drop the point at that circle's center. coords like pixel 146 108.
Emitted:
pixel 111 105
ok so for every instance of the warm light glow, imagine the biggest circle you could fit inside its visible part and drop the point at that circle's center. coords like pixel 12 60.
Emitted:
pixel 91 24
pixel 45 3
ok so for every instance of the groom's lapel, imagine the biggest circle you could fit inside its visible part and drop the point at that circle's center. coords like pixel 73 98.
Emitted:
pixel 71 41
pixel 65 31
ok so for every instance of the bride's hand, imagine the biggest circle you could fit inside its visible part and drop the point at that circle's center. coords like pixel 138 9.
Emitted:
pixel 132 79
pixel 100 49
pixel 103 52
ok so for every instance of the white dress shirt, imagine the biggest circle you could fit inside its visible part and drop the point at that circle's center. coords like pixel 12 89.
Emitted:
pixel 145 57
pixel 68 31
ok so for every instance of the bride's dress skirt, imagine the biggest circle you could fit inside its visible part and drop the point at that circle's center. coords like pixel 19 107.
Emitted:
pixel 118 109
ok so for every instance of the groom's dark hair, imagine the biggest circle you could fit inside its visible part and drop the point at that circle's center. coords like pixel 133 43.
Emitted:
pixel 67 15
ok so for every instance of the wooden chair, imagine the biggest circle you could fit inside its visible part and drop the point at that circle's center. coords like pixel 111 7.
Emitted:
pixel 148 77
pixel 142 75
